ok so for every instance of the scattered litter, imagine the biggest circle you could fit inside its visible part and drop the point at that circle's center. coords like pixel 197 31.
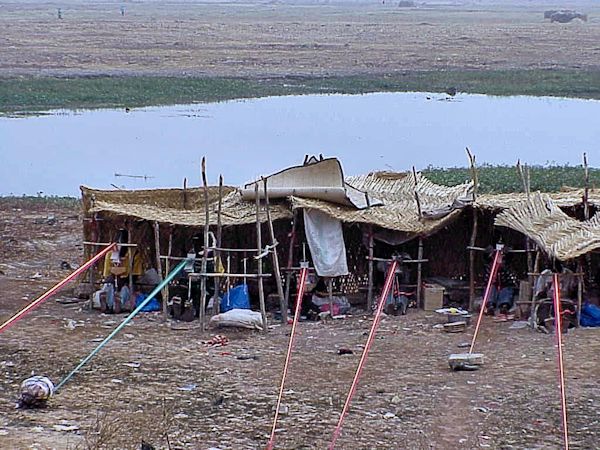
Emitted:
pixel 36 276
pixel 396 399
pixel 465 361
pixel 38 429
pixel 482 409
pixel 518 325
pixel 133 365
pixel 70 325
pixel 283 410
pixel 389 415
pixel 65 427
pixel 464 345
pixel 216 341
pixel 345 351
pixel 3 432
pixel 247 357
pixel 116 381
pixel 129 336
pixel 181 416
pixel 187 387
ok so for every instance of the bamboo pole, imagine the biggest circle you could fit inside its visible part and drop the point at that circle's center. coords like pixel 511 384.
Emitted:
pixel 217 282
pixel 330 295
pixel 158 262
pixel 261 292
pixel 419 272
pixel 88 252
pixel 205 252
pixel 274 256
pixel 166 293
pixel 579 291
pixel 184 193
pixel 473 241
pixel 417 195
pixel 371 249
pixel 290 263
pixel 131 256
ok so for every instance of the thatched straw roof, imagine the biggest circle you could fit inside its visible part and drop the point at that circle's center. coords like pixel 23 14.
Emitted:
pixel 168 206
pixel 400 211
pixel 559 235
pixel 564 199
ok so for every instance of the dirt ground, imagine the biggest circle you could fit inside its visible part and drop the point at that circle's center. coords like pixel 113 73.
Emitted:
pixel 157 380
pixel 264 39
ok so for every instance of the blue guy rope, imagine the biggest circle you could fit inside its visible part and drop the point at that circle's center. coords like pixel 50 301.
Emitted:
pixel 156 290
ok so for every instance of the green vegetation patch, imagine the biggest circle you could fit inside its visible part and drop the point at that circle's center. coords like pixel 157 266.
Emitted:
pixel 505 179
pixel 30 94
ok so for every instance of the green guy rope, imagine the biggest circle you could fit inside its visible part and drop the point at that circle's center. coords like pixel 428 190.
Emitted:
pixel 156 290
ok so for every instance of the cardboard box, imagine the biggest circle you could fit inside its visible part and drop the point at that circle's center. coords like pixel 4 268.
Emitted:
pixel 433 297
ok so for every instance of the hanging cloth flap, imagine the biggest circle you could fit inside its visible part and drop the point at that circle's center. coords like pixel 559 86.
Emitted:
pixel 326 243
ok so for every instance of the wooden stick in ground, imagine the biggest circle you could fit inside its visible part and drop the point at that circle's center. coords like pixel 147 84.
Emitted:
pixel 261 291
pixel 217 281
pixel 472 242
pixel 274 255
pixel 131 251
pixel 290 263
pixel 205 251
pixel 370 288
pixel 165 292
pixel 184 194
pixel 330 295
pixel 586 188
pixel 417 194
pixel 159 262
pixel 579 291
pixel 419 272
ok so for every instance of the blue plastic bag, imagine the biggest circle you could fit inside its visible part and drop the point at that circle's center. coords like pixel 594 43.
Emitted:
pixel 590 315
pixel 152 305
pixel 237 298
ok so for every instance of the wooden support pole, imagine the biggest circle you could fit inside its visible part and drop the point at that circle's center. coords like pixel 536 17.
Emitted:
pixel 217 281
pixel 89 252
pixel 330 295
pixel 274 256
pixel 261 292
pixel 184 194
pixel 579 291
pixel 371 280
pixel 166 293
pixel 419 211
pixel 473 241
pixel 205 252
pixel 419 272
pixel 290 263
pixel 131 251
pixel 158 262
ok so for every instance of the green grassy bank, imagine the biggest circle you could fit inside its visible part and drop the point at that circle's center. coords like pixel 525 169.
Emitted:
pixel 504 179
pixel 38 94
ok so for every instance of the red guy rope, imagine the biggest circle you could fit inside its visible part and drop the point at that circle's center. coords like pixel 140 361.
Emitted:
pixel 54 290
pixel 303 273
pixel 561 367
pixel 488 289
pixel 384 295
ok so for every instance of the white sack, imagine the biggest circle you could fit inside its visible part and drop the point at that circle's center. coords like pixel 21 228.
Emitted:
pixel 326 243
pixel 243 318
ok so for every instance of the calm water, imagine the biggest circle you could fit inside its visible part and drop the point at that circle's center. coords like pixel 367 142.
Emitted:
pixel 244 139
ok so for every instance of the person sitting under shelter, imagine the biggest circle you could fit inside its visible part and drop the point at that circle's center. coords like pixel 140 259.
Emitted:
pixel 503 287
pixel 115 295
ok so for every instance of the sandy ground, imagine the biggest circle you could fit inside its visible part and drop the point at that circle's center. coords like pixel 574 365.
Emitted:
pixel 157 379
pixel 262 39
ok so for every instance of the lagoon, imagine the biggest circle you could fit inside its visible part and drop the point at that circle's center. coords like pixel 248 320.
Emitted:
pixel 56 152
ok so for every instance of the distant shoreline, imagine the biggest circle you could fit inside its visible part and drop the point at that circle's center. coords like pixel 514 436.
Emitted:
pixel 37 94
